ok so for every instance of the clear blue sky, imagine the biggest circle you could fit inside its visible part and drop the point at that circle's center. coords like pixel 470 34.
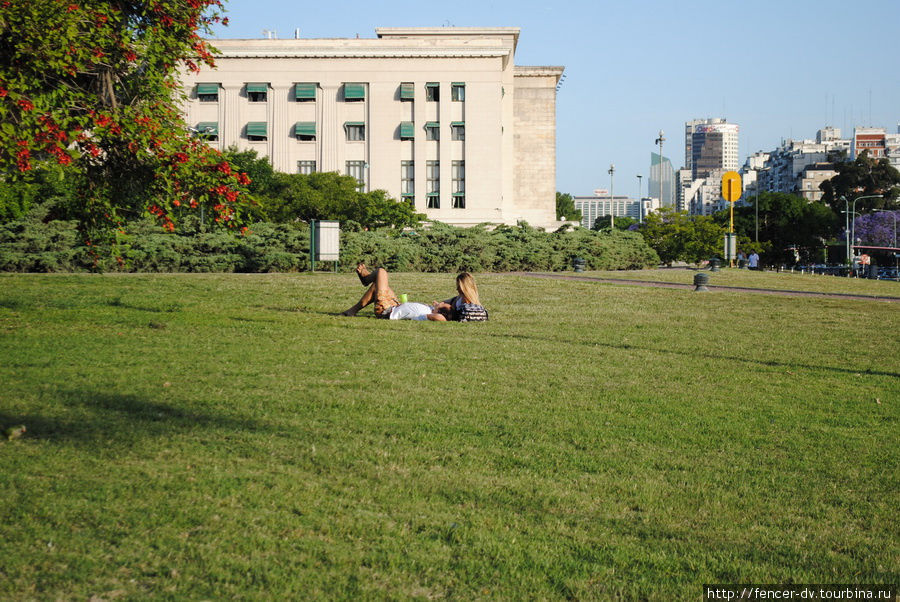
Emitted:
pixel 778 68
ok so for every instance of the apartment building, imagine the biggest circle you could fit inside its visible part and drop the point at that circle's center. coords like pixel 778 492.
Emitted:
pixel 441 117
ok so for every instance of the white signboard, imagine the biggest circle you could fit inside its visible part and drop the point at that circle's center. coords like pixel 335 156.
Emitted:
pixel 328 244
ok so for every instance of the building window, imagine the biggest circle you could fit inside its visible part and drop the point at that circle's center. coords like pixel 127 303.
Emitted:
pixel 432 92
pixel 208 130
pixel 354 92
pixel 407 131
pixel 356 131
pixel 459 184
pixel 458 92
pixel 305 92
pixel 357 169
pixel 257 92
pixel 408 181
pixel 432 130
pixel 306 167
pixel 407 91
pixel 256 131
pixel 305 131
pixel 458 130
pixel 433 181
pixel 208 92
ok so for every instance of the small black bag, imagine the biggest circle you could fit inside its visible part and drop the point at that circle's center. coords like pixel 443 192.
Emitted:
pixel 471 312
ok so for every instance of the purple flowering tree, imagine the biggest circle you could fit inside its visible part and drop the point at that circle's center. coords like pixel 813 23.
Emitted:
pixel 878 229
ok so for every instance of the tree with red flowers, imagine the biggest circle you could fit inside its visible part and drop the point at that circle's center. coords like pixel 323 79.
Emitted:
pixel 93 85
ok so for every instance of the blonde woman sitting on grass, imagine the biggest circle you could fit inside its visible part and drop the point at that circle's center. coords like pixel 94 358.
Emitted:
pixel 464 307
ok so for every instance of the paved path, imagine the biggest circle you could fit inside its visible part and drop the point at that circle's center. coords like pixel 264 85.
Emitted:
pixel 743 289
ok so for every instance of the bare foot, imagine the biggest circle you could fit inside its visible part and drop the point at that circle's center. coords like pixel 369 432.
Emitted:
pixel 365 276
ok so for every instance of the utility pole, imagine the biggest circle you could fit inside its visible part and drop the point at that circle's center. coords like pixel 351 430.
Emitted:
pixel 612 220
pixel 641 202
pixel 660 141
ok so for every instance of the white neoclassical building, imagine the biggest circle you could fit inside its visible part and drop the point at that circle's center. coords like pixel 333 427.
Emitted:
pixel 441 117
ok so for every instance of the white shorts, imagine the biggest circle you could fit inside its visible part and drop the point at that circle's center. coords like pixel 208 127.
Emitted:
pixel 410 311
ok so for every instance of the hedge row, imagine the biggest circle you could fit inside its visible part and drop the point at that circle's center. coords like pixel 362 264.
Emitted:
pixel 31 245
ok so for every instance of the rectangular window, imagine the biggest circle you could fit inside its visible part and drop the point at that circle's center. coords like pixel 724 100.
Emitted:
pixel 208 92
pixel 305 130
pixel 432 130
pixel 208 130
pixel 432 92
pixel 407 132
pixel 305 92
pixel 458 130
pixel 407 91
pixel 458 92
pixel 356 131
pixel 354 92
pixel 256 130
pixel 407 178
pixel 306 167
pixel 257 92
pixel 357 169
pixel 433 181
pixel 458 171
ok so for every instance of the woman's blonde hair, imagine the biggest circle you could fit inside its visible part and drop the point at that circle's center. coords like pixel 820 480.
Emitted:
pixel 465 284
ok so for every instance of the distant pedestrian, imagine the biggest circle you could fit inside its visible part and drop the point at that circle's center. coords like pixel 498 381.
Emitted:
pixel 753 261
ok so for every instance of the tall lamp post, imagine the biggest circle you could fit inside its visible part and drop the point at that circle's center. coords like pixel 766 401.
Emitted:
pixel 611 171
pixel 660 141
pixel 852 225
pixel 759 172
pixel 641 203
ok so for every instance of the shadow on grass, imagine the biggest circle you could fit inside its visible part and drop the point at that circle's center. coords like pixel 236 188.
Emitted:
pixel 90 417
pixel 693 355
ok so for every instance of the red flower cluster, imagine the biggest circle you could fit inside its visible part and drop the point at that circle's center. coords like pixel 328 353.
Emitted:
pixel 224 167
pixel 180 158
pixel 3 92
pixel 25 104
pixel 243 178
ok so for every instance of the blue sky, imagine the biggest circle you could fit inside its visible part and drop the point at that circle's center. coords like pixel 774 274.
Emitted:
pixel 779 69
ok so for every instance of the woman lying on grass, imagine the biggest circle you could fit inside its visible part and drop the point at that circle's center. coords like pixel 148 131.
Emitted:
pixel 464 307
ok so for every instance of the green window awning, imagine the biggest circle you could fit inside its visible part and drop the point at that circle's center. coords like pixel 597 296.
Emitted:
pixel 256 128
pixel 407 91
pixel 459 194
pixel 433 85
pixel 305 128
pixel 354 92
pixel 458 123
pixel 305 91
pixel 354 123
pixel 432 124
pixel 463 84
pixel 257 87
pixel 207 89
pixel 407 130
pixel 208 128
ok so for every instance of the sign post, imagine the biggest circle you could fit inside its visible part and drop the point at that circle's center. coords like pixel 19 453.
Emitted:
pixel 731 192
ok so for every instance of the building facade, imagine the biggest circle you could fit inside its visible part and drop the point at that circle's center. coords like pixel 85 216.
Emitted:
pixel 710 144
pixel 441 117
pixel 602 204
pixel 661 172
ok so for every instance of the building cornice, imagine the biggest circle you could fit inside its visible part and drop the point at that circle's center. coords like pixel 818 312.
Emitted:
pixel 546 71
pixel 369 48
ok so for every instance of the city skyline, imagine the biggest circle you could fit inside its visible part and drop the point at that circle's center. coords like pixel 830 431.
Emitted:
pixel 780 71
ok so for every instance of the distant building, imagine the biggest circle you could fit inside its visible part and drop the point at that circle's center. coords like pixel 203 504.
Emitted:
pixel 870 140
pixel 661 169
pixel 710 144
pixel 601 204
pixel 797 166
pixel 811 179
pixel 441 117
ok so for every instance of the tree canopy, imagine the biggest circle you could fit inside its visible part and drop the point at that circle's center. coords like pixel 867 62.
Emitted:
pixel 92 85
pixel 677 236
pixel 863 177
pixel 565 207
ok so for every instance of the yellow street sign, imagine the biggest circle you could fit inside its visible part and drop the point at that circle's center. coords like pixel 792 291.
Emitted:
pixel 731 186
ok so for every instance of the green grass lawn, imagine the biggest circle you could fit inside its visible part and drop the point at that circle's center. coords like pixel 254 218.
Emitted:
pixel 758 279
pixel 220 436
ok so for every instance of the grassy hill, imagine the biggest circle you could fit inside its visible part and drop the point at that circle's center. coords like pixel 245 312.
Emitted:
pixel 213 436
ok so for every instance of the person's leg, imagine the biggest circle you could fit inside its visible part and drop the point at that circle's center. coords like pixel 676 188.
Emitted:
pixel 379 292
pixel 365 276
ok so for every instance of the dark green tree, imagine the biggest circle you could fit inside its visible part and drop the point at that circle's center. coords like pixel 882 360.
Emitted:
pixel 863 177
pixel 677 236
pixel 565 208
pixel 621 223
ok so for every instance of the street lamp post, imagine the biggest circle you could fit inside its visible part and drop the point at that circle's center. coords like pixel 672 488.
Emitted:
pixel 852 225
pixel 611 171
pixel 759 172
pixel 660 141
pixel 641 203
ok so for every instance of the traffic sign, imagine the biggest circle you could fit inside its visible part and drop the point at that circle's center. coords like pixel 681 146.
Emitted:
pixel 731 186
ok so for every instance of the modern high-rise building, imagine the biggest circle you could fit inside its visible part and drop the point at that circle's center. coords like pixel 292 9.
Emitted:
pixel 441 117
pixel 661 170
pixel 709 145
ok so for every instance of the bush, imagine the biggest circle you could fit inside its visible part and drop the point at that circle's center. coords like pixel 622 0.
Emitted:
pixel 30 245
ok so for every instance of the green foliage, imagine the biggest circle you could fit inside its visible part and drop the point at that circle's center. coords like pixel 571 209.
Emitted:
pixel 785 220
pixel 676 236
pixel 620 223
pixel 269 247
pixel 863 177
pixel 92 85
pixel 565 208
